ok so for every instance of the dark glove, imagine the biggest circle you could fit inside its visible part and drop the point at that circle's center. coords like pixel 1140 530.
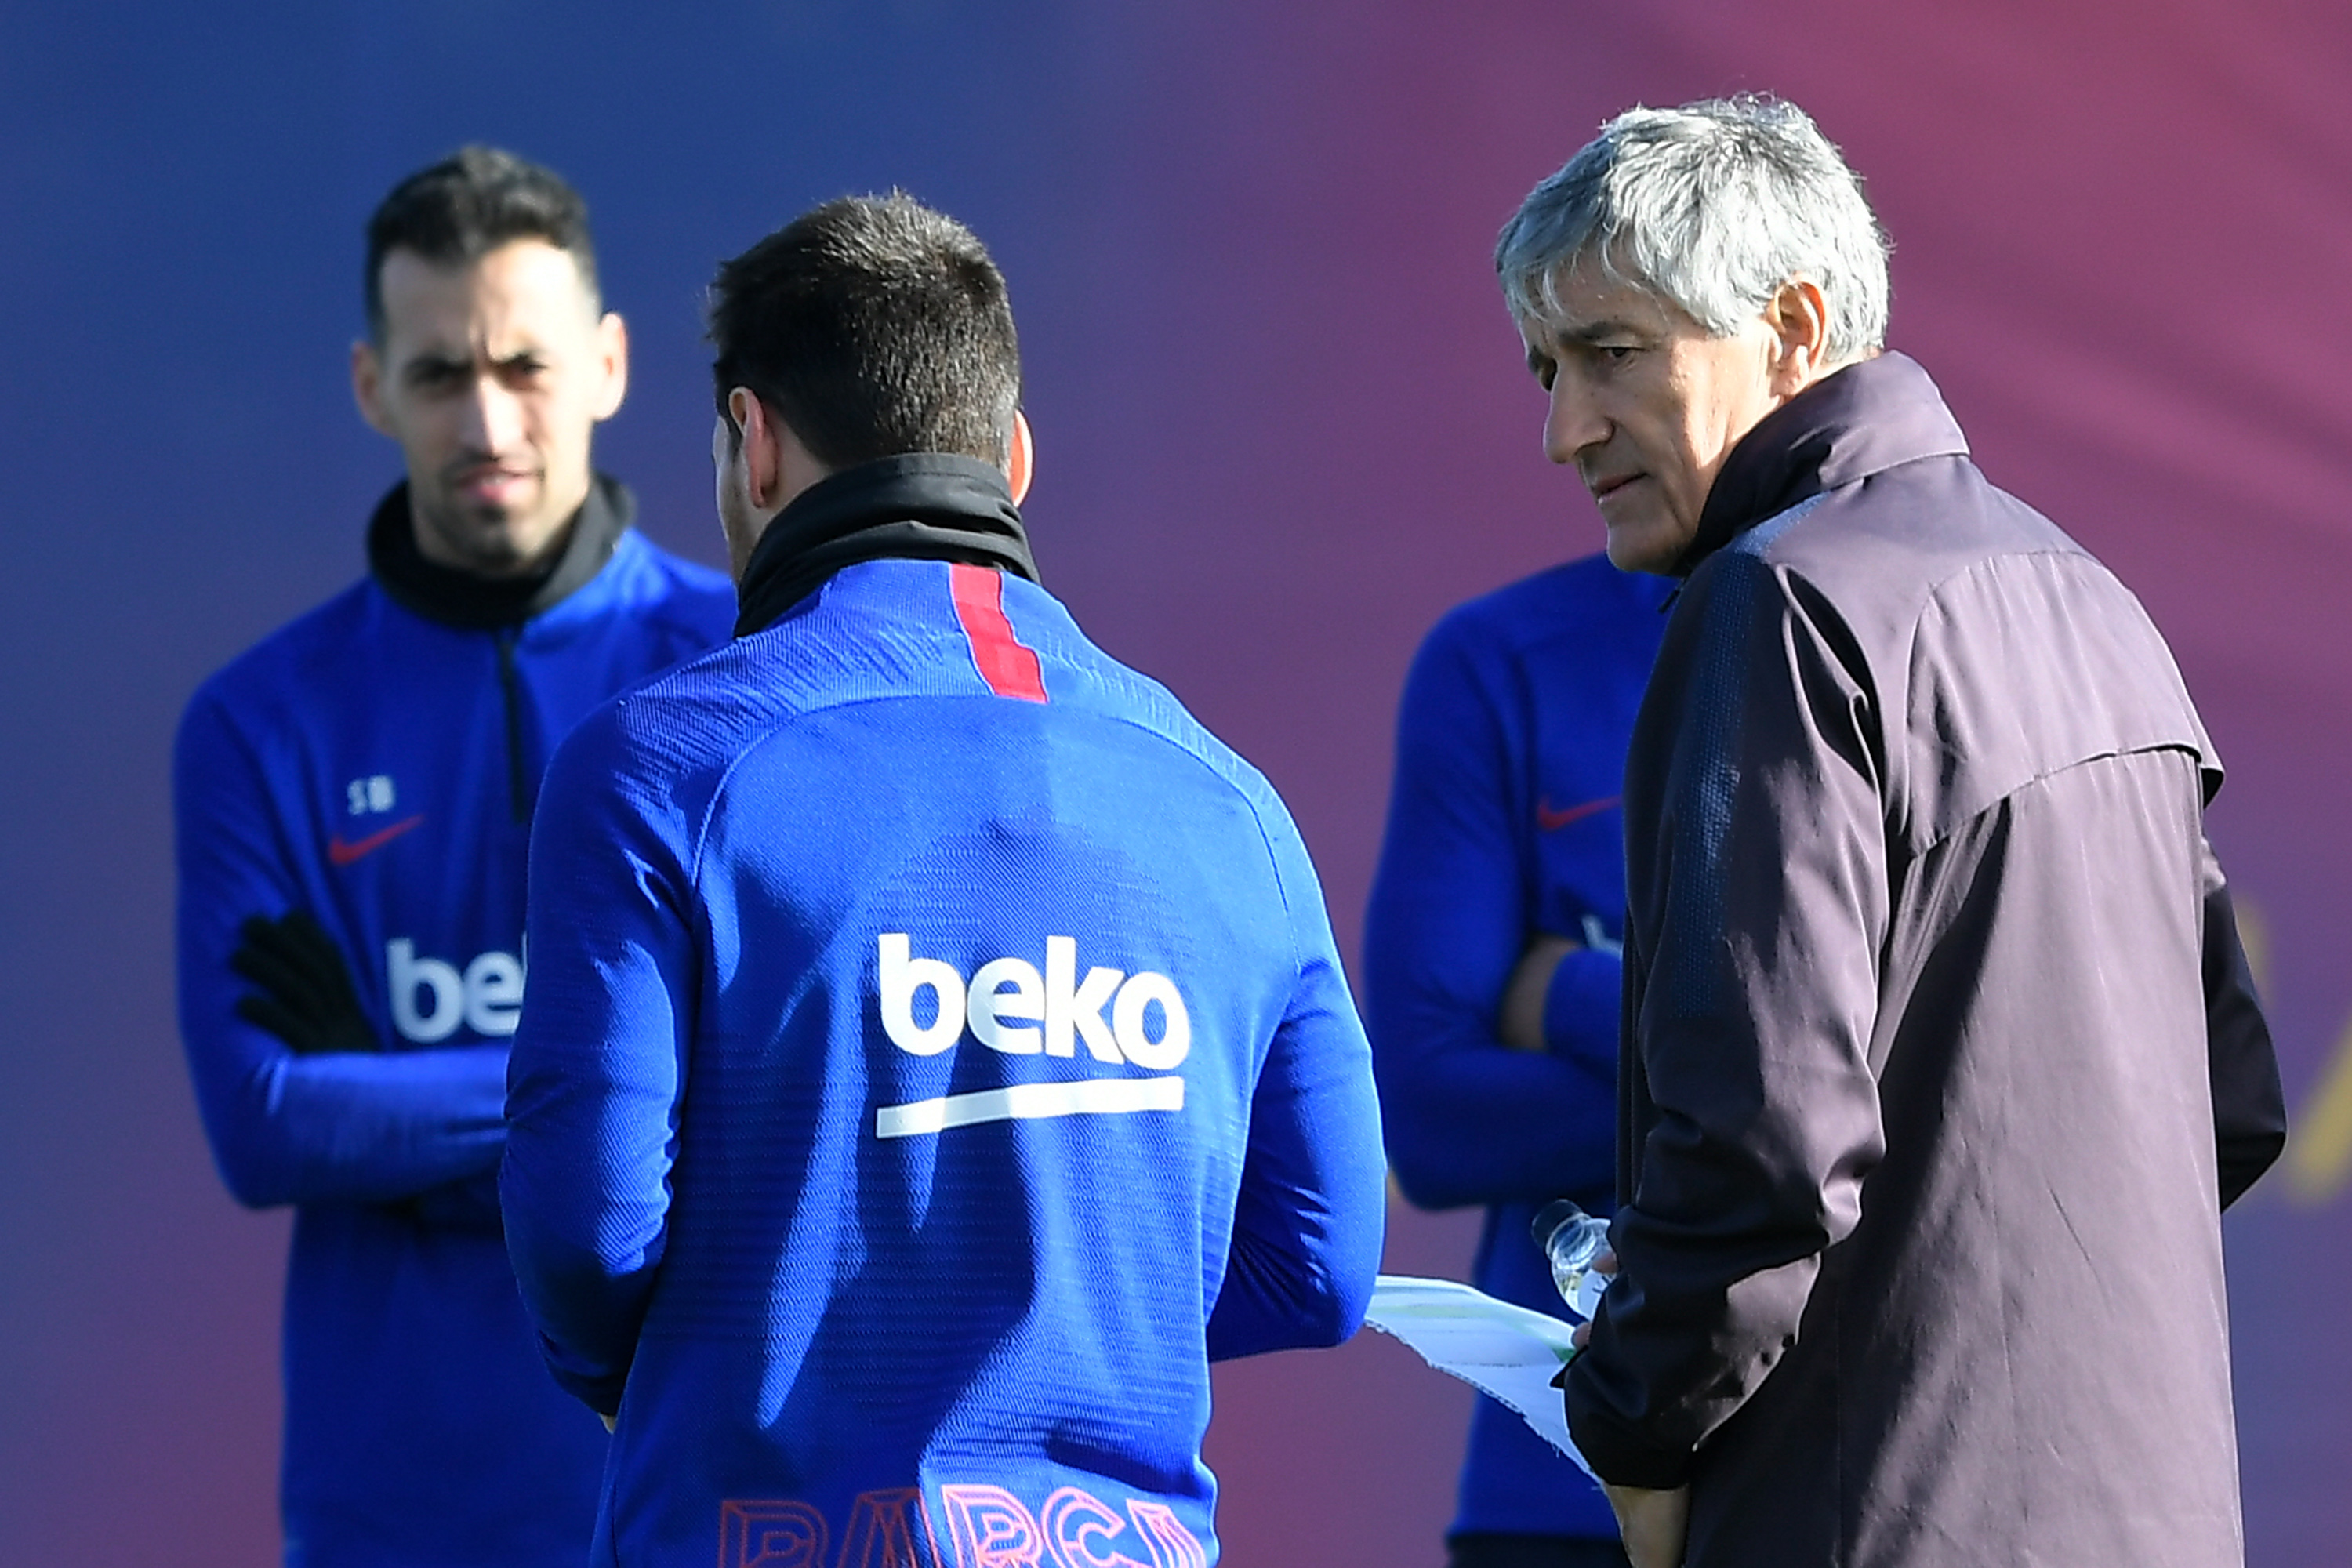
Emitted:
pixel 305 997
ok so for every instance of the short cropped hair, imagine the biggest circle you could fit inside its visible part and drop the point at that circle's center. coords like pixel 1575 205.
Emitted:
pixel 872 326
pixel 468 204
pixel 1711 207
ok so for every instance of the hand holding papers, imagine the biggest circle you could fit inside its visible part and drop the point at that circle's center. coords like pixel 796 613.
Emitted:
pixel 1507 1351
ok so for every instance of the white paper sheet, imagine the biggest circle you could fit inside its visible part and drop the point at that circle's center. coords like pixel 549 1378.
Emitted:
pixel 1498 1349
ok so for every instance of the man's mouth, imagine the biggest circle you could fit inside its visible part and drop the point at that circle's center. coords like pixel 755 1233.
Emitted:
pixel 493 484
pixel 1603 488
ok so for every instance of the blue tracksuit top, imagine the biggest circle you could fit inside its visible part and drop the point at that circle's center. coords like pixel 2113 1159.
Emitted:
pixel 937 1055
pixel 1504 821
pixel 355 764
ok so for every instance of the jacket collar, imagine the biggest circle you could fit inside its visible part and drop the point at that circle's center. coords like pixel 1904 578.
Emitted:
pixel 458 598
pixel 1864 419
pixel 921 506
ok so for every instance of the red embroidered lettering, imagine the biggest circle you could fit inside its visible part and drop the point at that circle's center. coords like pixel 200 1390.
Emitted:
pixel 992 1528
pixel 762 1534
pixel 889 1530
pixel 1172 1545
pixel 1075 1522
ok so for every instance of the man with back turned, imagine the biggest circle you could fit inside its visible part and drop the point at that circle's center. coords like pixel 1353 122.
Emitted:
pixel 1941 1059
pixel 938 1052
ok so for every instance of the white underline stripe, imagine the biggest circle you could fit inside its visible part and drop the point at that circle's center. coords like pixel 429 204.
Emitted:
pixel 1030 1102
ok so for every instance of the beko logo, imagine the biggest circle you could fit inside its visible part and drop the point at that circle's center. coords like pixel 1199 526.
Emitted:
pixel 1009 1005
pixel 487 998
pixel 1052 1012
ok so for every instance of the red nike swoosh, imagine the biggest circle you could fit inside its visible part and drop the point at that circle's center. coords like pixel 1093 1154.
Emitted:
pixel 1551 821
pixel 343 854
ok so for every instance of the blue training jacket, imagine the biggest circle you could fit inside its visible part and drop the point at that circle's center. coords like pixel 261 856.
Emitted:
pixel 371 767
pixel 1504 821
pixel 937 1055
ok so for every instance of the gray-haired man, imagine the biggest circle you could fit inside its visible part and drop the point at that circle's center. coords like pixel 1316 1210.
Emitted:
pixel 1941 1059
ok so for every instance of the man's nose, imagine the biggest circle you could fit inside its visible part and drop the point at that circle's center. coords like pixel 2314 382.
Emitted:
pixel 1574 421
pixel 493 416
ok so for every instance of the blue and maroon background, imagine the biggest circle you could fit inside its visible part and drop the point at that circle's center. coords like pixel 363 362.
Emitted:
pixel 1283 423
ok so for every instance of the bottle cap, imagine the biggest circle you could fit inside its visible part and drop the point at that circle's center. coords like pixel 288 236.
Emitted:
pixel 1551 1216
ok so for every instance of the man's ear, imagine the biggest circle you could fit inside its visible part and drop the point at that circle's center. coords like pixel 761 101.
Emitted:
pixel 760 465
pixel 1020 458
pixel 367 384
pixel 612 351
pixel 1799 316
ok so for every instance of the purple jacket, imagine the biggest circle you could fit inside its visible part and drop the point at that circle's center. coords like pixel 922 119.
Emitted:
pixel 1941 1059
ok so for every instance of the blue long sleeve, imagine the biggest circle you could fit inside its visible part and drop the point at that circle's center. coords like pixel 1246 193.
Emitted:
pixel 1457 899
pixel 921 1081
pixel 1504 825
pixel 593 1094
pixel 289 1129
pixel 359 766
pixel 1308 1223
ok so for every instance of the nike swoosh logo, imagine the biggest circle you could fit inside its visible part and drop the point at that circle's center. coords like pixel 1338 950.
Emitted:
pixel 1552 821
pixel 343 854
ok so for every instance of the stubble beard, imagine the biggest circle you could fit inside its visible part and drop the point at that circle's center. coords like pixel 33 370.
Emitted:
pixel 487 542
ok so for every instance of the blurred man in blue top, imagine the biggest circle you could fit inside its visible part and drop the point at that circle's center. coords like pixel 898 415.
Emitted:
pixel 938 1054
pixel 354 797
pixel 1492 977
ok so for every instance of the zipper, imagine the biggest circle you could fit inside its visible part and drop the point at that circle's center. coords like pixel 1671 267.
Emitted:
pixel 510 685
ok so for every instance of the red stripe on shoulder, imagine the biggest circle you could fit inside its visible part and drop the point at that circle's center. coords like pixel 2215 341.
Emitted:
pixel 1010 668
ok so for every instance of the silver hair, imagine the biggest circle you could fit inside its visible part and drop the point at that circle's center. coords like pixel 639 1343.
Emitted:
pixel 1712 207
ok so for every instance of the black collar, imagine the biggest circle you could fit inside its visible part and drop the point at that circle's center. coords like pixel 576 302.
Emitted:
pixel 1863 420
pixel 919 506
pixel 458 598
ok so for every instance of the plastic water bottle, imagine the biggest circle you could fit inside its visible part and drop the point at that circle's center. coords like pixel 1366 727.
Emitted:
pixel 1572 1239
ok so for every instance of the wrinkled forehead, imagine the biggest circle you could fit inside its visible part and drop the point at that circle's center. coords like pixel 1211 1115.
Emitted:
pixel 1583 299
pixel 526 286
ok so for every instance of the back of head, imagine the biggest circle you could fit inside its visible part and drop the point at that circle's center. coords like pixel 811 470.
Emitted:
pixel 470 204
pixel 1711 207
pixel 872 326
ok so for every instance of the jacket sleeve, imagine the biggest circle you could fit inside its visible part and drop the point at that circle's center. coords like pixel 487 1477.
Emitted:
pixel 2249 1106
pixel 1311 1211
pixel 1766 888
pixel 1470 1120
pixel 289 1129
pixel 598 1068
